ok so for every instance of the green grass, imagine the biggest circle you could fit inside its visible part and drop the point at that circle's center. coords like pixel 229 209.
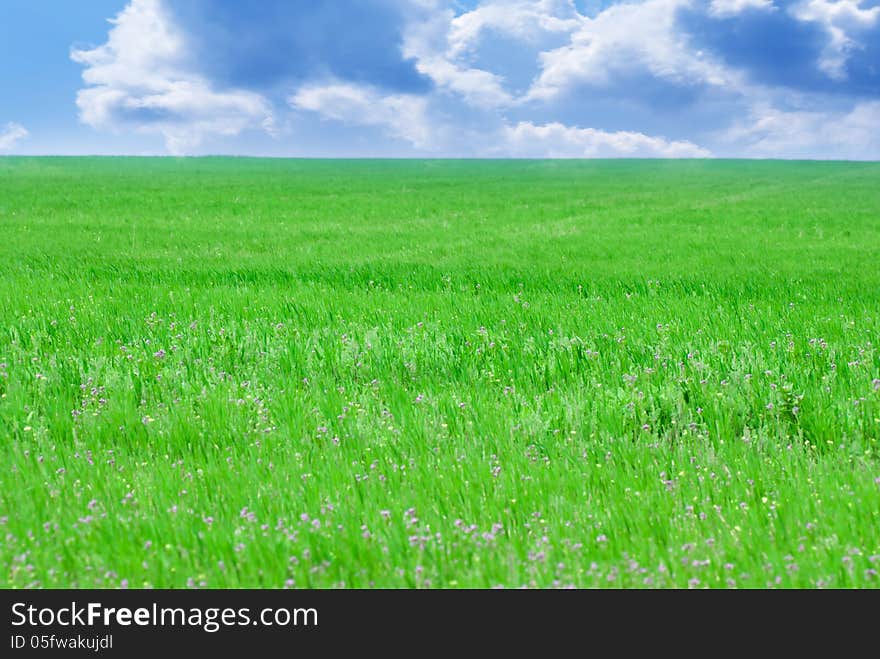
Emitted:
pixel 253 373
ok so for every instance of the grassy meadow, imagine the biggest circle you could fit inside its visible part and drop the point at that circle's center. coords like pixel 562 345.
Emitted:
pixel 291 373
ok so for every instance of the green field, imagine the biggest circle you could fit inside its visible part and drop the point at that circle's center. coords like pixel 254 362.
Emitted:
pixel 290 373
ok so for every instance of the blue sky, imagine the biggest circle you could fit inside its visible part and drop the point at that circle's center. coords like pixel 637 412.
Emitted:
pixel 442 78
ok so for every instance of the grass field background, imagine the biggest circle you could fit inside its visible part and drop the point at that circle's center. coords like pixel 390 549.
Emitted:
pixel 285 373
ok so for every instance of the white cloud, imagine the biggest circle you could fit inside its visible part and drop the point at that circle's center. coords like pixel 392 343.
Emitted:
pixel 139 79
pixel 147 78
pixel 528 20
pixel 402 116
pixel 425 41
pixel 636 37
pixel 556 140
pixel 443 45
pixel 10 135
pixel 732 7
pixel 773 133
pixel 842 19
pixel 478 87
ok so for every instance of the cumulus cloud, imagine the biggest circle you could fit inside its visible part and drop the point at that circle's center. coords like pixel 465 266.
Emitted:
pixel 773 133
pixel 843 20
pixel 478 87
pixel 490 77
pixel 402 116
pixel 569 50
pixel 426 44
pixel 142 79
pixel 623 39
pixel 10 135
pixel 449 48
pixel 528 20
pixel 556 140
pixel 827 46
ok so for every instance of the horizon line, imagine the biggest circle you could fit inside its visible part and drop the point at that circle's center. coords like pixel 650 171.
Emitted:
pixel 443 158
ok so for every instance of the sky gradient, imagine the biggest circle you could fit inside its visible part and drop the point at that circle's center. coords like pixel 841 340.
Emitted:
pixel 442 78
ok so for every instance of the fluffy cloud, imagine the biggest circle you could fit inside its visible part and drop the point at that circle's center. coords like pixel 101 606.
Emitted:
pixel 814 46
pixel 141 79
pixel 774 133
pixel 528 20
pixel 10 135
pixel 720 44
pixel 478 87
pixel 494 77
pixel 569 50
pixel 402 116
pixel 426 43
pixel 624 39
pixel 556 140
pixel 449 48
pixel 844 21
